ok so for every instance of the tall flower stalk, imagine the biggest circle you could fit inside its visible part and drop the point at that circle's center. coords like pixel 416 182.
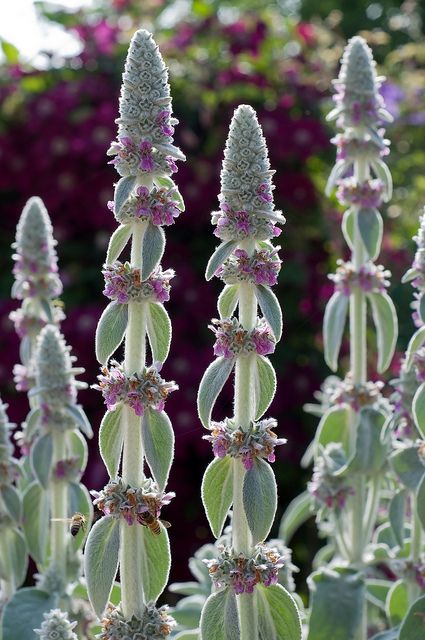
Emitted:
pixel 57 458
pixel 38 285
pixel 353 439
pixel 247 597
pixel 13 556
pixel 135 429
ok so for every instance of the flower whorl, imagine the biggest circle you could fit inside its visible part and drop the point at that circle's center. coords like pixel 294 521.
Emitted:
pixel 145 125
pixel 246 186
pixel 56 626
pixel 35 258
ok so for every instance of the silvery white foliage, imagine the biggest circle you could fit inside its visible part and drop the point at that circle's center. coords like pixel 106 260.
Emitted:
pixel 358 99
pixel 145 125
pixel 246 175
pixel 56 626
pixel 54 371
pixel 36 260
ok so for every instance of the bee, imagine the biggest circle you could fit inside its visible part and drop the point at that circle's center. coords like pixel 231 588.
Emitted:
pixel 149 520
pixel 153 524
pixel 136 278
pixel 76 523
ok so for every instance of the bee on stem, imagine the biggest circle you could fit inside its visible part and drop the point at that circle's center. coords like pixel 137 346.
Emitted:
pixel 77 523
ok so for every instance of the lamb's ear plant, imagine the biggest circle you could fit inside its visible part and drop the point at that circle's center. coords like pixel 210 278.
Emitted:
pixel 38 286
pixel 13 548
pixel 405 601
pixel 352 442
pixel 136 433
pixel 247 603
pixel 58 457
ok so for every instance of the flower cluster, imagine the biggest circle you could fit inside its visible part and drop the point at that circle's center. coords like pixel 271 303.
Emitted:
pixel 233 340
pixel 329 491
pixel 366 195
pixel 156 624
pixel 370 278
pixel 355 395
pixel 56 626
pixel 259 441
pixel 27 323
pixel 145 126
pixel 262 267
pixel 54 371
pixel 36 266
pixel 24 376
pixel 132 158
pixel 358 101
pixel 360 112
pixel 123 284
pixel 242 573
pixel 142 504
pixel 233 224
pixel 157 206
pixel 138 391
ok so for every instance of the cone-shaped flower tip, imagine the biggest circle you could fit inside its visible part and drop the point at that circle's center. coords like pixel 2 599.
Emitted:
pixel 145 125
pixel 358 68
pixel 56 625
pixel 54 372
pixel 246 177
pixel 34 226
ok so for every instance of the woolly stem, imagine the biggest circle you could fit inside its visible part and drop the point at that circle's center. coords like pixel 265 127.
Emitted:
pixel 131 547
pixel 244 414
pixel 413 589
pixel 358 361
pixel 59 508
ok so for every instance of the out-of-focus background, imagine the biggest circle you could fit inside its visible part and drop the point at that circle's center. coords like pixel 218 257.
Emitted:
pixel 60 76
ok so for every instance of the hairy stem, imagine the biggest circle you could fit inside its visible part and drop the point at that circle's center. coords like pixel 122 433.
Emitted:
pixel 59 508
pixel 244 414
pixel 358 362
pixel 132 463
pixel 413 589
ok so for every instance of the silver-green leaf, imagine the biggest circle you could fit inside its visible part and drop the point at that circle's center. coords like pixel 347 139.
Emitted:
pixel 333 327
pixel 35 521
pixel 12 502
pixel 412 627
pixel 153 249
pixel 155 561
pixel 41 459
pixel 158 444
pixel 110 331
pixel 278 615
pixel 418 409
pixel 415 343
pixel 228 300
pixel 217 492
pixel 264 385
pixel 385 319
pixel 158 325
pixel 259 499
pixel 219 256
pixel 270 308
pixel 211 384
pixel 123 190
pixel 297 512
pixel 219 618
pixel 118 242
pixel 24 613
pixel 111 440
pixel 337 601
pixel 101 561
pixel 370 226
